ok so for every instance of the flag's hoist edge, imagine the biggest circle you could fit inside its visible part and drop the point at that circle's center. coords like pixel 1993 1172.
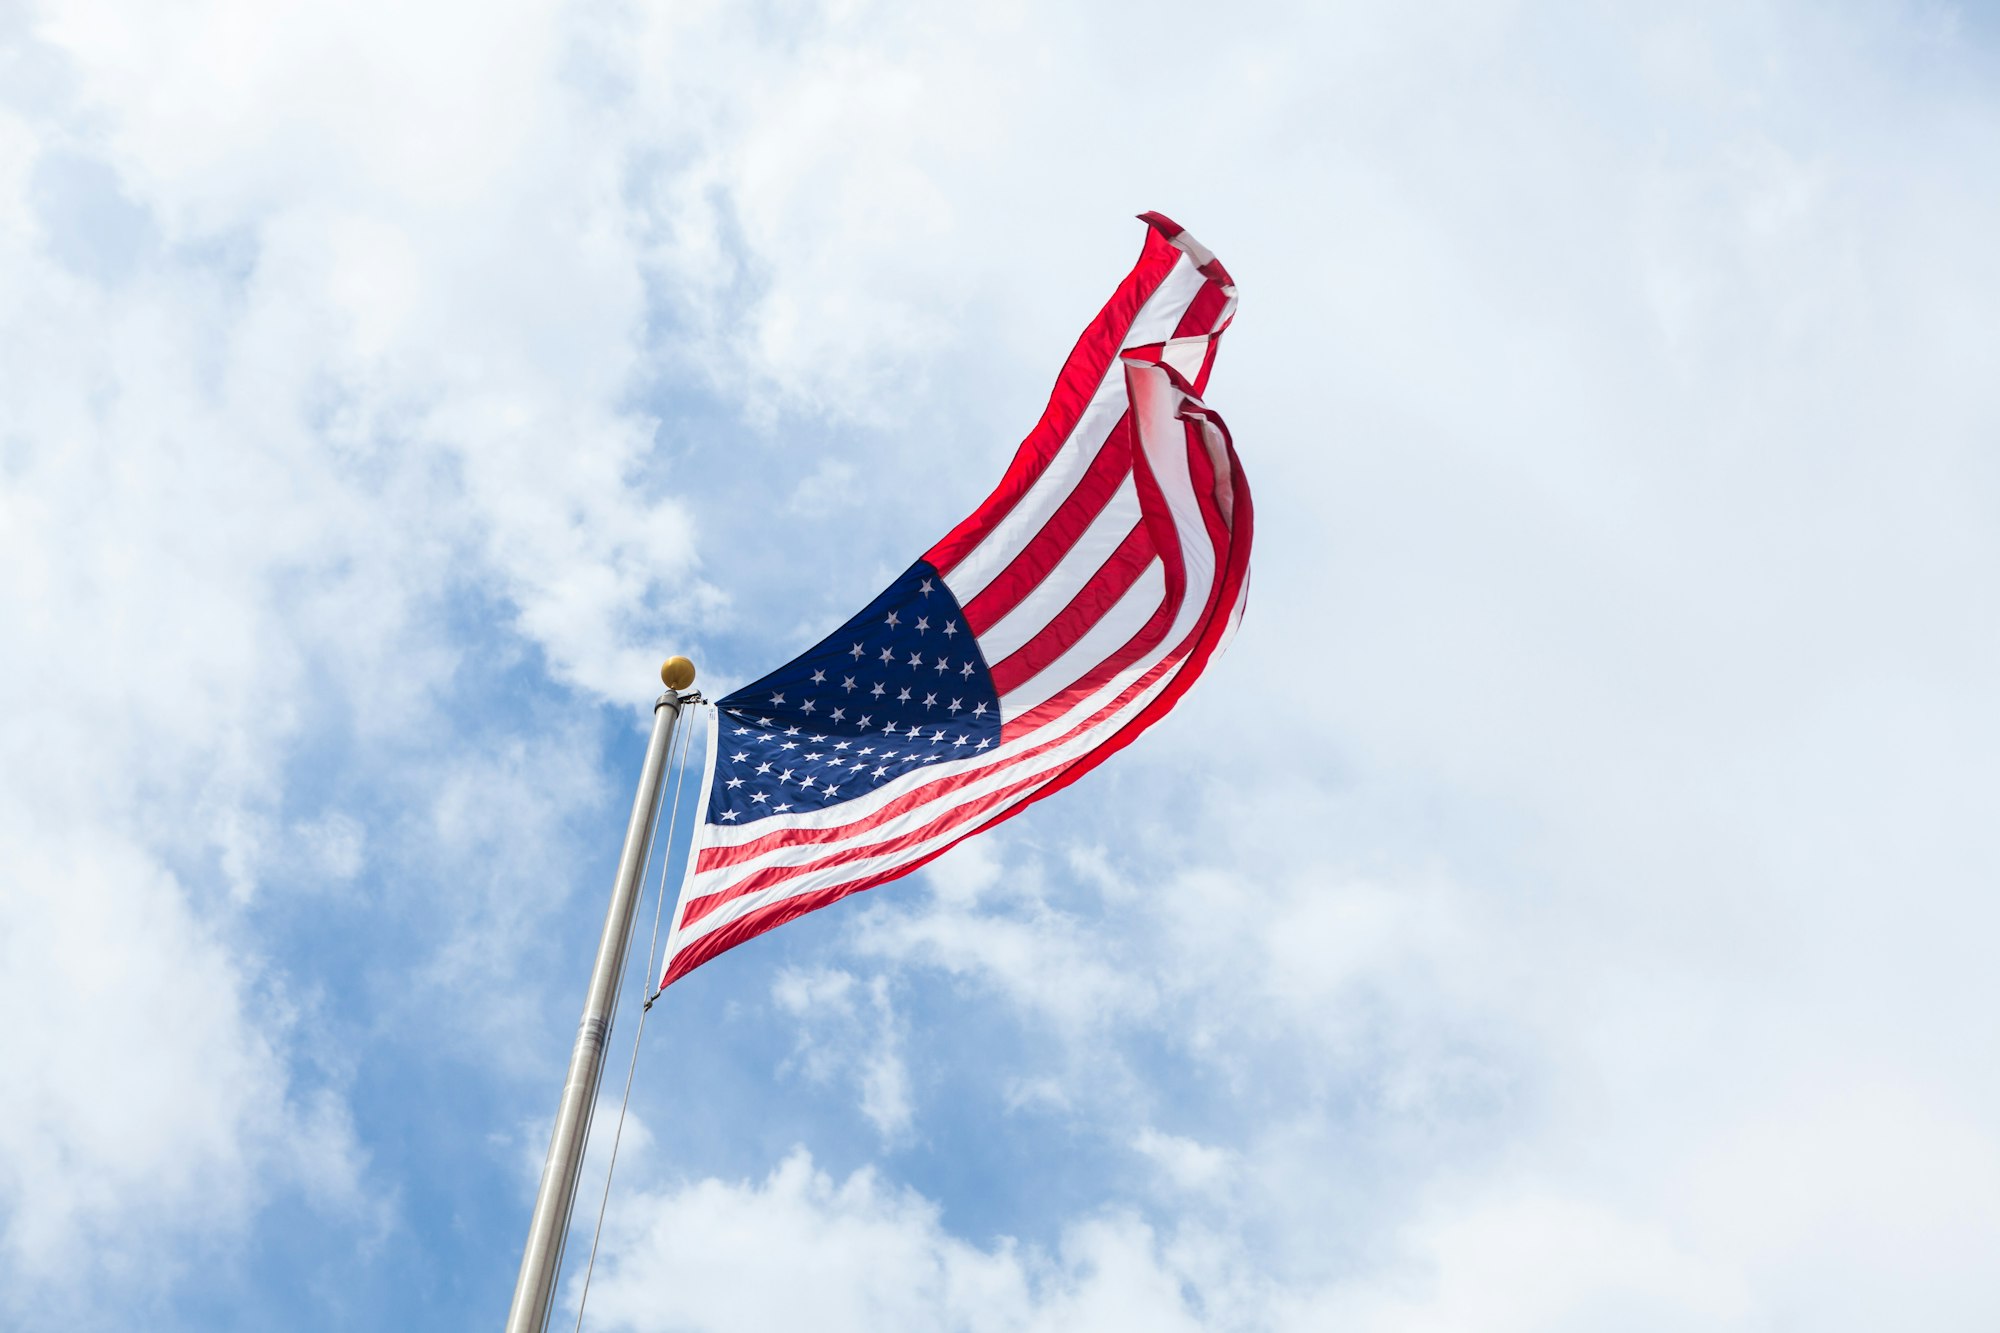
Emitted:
pixel 1068 613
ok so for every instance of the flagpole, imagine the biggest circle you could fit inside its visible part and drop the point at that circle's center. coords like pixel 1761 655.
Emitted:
pixel 541 1260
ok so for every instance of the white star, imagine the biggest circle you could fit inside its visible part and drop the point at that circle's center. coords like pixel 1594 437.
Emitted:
pixel 806 784
pixel 810 755
pixel 734 783
pixel 875 692
pixel 759 797
pixel 983 743
pixel 888 728
pixel 785 777
pixel 950 628
pixel 762 769
pixel 743 731
pixel 942 664
pixel 806 707
pixel 866 749
pixel 816 739
pixel 840 745
pixel 902 696
pixel 839 713
pixel 980 711
pixel 863 723
pixel 729 814
pixel 965 670
pixel 738 757
pixel 955 706
pixel 888 654
pixel 930 759
pixel 925 587
pixel 855 652
pixel 777 698
pixel 879 772
pixel 763 721
pixel 923 624
pixel 789 745
pixel 930 701
pixel 819 678
pixel 960 741
pixel 937 736
pixel 791 731
pixel 916 659
pixel 893 621
pixel 781 807
pixel 847 683
pixel 829 789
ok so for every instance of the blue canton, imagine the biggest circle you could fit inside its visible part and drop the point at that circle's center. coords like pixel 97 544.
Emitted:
pixel 900 686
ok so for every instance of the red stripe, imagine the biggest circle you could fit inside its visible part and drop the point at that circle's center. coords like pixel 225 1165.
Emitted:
pixel 1159 520
pixel 1207 363
pixel 1136 647
pixel 1085 369
pixel 698 908
pixel 1172 230
pixel 1202 312
pixel 1113 579
pixel 750 926
pixel 1025 572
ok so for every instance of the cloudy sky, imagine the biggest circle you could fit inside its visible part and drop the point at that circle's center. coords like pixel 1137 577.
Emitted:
pixel 1569 906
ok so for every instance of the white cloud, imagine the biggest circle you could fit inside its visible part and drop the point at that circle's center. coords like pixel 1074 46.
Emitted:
pixel 283 382
pixel 151 1094
pixel 863 1255
pixel 852 1032
pixel 1188 1165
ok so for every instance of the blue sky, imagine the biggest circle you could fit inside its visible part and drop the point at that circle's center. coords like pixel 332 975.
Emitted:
pixel 1566 907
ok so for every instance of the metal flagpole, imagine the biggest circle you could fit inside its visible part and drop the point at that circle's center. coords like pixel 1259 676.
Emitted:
pixel 541 1261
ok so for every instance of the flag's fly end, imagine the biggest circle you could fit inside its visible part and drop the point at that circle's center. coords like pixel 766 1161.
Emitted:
pixel 1074 607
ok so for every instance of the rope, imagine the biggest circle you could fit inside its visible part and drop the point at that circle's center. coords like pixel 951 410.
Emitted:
pixel 631 1068
pixel 660 898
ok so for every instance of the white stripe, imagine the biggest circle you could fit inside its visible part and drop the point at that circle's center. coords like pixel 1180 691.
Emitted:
pixel 701 824
pixel 1011 535
pixel 1156 406
pixel 1101 640
pixel 1062 583
pixel 1162 312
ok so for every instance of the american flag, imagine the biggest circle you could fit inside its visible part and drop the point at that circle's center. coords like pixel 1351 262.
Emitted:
pixel 1064 617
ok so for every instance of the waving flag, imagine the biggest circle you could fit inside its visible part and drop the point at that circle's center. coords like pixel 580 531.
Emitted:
pixel 1064 617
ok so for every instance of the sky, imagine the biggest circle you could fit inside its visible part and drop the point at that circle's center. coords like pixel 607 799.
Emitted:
pixel 1568 906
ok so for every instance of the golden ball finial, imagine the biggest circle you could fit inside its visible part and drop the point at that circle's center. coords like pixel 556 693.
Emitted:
pixel 677 673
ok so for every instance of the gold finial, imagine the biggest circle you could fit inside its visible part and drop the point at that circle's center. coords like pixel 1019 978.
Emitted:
pixel 677 673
